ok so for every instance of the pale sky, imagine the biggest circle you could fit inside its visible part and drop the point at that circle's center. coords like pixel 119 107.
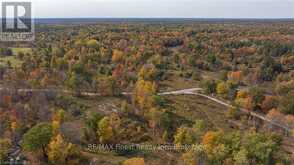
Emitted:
pixel 164 8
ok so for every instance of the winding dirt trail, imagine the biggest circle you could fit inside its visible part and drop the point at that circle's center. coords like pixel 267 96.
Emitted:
pixel 189 91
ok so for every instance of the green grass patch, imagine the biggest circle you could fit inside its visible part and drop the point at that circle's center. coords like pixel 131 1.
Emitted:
pixel 14 62
pixel 24 50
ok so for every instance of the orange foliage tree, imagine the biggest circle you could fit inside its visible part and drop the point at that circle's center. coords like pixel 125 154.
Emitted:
pixel 235 76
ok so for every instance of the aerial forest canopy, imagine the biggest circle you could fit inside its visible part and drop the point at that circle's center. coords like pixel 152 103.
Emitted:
pixel 210 93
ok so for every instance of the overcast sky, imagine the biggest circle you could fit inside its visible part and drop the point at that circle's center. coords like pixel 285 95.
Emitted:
pixel 165 8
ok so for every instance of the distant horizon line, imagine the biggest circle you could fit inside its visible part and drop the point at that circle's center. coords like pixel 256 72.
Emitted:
pixel 160 18
pixel 220 18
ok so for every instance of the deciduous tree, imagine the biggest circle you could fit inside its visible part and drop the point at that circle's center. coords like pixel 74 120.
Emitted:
pixel 58 150
pixel 38 138
pixel 183 136
pixel 105 131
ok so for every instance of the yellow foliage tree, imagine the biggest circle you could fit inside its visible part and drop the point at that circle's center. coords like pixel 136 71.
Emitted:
pixel 183 136
pixel 210 140
pixel 105 131
pixel 115 122
pixel 243 99
pixel 55 127
pixel 57 119
pixel 144 92
pixel 117 56
pixel 58 115
pixel 58 150
pixel 147 72
pixel 242 94
pixel 222 88
pixel 92 43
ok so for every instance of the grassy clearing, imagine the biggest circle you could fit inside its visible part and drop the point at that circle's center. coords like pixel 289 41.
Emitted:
pixel 10 59
pixel 4 60
pixel 24 50
pixel 104 159
pixel 102 104
pixel 175 82
pixel 194 107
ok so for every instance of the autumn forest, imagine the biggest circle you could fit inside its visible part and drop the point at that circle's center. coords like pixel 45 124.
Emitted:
pixel 135 93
